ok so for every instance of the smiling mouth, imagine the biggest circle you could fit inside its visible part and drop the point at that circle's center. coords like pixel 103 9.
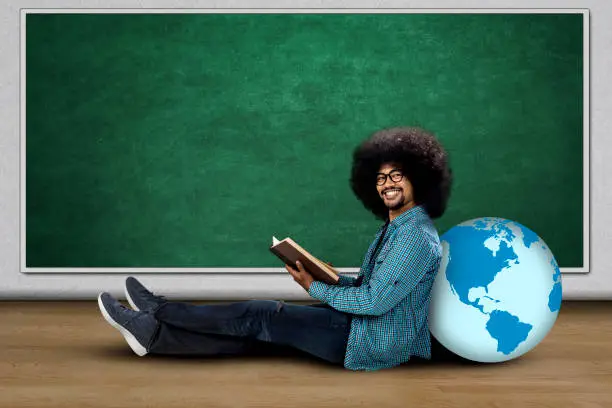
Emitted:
pixel 391 193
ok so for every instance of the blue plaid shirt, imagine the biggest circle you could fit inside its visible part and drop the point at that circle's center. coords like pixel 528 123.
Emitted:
pixel 390 307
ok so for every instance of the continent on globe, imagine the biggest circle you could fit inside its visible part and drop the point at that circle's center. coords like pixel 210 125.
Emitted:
pixel 555 295
pixel 501 227
pixel 508 330
pixel 479 266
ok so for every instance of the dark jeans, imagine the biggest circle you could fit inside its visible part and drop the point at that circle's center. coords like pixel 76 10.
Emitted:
pixel 241 328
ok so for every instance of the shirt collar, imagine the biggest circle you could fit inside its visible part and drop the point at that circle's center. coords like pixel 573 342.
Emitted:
pixel 418 211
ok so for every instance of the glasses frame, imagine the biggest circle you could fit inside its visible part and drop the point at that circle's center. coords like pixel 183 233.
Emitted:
pixel 389 175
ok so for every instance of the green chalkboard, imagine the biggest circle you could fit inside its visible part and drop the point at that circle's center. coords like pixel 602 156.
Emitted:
pixel 188 140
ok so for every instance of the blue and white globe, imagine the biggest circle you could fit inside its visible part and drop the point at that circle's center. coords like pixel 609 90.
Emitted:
pixel 497 292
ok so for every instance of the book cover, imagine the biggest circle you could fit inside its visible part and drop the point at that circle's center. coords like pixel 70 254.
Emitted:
pixel 289 252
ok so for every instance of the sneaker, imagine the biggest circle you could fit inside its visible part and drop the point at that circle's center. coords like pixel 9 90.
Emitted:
pixel 140 298
pixel 138 328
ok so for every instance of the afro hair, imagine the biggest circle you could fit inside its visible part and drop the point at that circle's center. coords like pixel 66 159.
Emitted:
pixel 423 161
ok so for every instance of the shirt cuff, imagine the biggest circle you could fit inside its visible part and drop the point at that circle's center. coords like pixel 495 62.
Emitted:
pixel 318 290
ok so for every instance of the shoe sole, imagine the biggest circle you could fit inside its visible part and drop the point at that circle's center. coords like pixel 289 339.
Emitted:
pixel 129 299
pixel 129 337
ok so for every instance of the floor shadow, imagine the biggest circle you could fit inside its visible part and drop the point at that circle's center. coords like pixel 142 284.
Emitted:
pixel 446 362
pixel 452 361
pixel 116 353
pixel 260 351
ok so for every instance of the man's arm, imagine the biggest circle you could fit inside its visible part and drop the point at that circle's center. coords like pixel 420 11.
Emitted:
pixel 399 274
pixel 344 280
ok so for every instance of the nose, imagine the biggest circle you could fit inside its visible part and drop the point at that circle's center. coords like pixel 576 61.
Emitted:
pixel 390 182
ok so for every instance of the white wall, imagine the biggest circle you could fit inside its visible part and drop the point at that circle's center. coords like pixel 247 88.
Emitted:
pixel 15 285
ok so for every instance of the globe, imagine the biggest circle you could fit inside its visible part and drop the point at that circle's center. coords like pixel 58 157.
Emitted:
pixel 497 293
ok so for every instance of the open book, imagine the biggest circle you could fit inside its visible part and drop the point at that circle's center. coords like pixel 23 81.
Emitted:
pixel 289 252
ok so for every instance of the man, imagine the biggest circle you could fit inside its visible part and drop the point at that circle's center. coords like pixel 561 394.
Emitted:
pixel 375 321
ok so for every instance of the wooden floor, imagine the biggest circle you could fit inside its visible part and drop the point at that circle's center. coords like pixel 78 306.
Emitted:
pixel 63 354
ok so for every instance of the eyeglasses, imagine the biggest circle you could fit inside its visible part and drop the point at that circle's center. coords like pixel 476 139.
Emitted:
pixel 395 175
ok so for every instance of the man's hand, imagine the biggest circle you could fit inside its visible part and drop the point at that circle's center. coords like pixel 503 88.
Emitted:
pixel 300 275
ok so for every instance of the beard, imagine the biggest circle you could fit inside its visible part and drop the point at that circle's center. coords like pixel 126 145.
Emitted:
pixel 397 206
pixel 400 201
